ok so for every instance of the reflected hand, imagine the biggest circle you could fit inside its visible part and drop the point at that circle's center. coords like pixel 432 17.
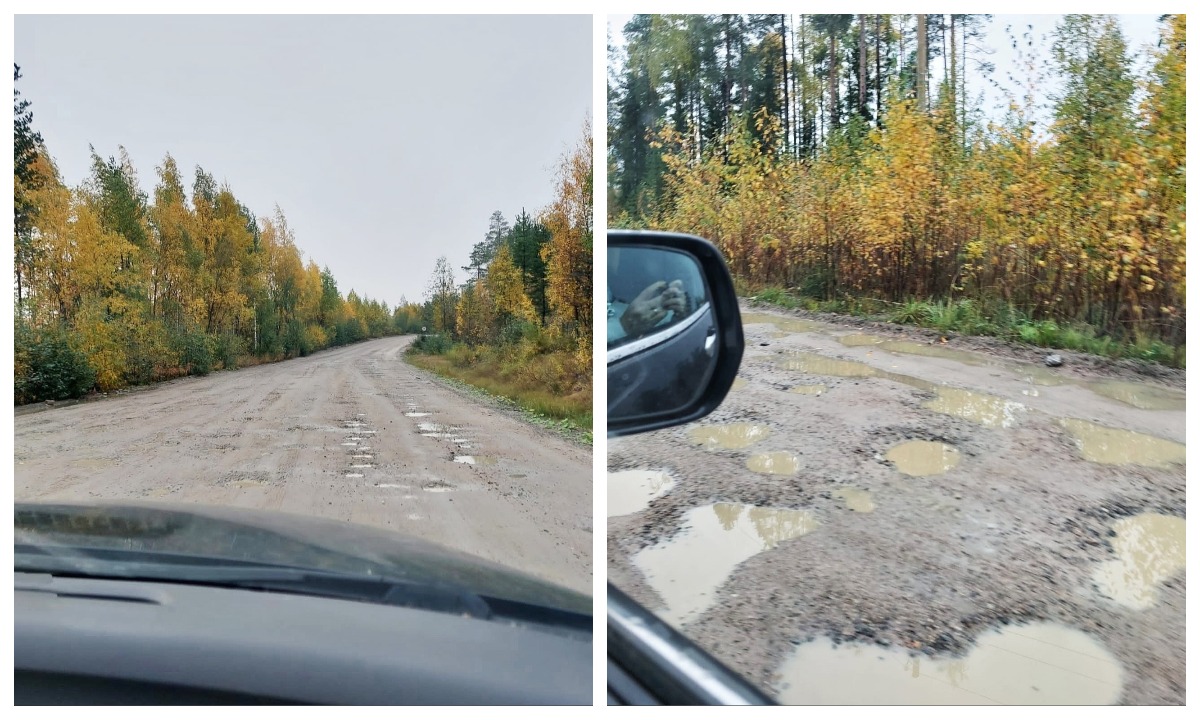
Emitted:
pixel 652 305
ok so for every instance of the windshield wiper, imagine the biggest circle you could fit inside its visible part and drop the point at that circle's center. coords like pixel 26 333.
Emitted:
pixel 110 563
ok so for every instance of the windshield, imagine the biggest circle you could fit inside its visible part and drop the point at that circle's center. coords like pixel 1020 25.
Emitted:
pixel 315 269
pixel 952 468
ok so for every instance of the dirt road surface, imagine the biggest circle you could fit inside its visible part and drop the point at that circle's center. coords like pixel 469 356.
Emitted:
pixel 926 521
pixel 353 433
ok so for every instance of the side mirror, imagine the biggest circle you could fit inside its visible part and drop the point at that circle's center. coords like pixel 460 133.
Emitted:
pixel 674 330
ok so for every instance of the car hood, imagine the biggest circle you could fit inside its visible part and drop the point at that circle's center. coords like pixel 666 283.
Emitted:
pixel 283 539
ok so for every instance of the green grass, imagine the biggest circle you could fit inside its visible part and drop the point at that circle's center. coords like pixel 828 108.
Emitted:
pixel 971 317
pixel 567 413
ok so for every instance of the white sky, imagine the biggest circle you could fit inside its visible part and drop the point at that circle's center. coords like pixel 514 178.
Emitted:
pixel 387 140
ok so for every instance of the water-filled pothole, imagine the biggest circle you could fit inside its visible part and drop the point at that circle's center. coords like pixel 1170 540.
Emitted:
pixel 860 340
pixel 774 463
pixel 856 500
pixel 1113 446
pixel 1035 664
pixel 1150 550
pixel 738 384
pixel 808 389
pixel 813 364
pixel 731 436
pixel 908 347
pixel 417 414
pixel 787 325
pixel 920 458
pixel 630 491
pixel 437 486
pixel 987 410
pixel 686 569
pixel 1139 395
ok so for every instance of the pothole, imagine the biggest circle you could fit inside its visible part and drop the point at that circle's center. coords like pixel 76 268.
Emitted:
pixel 464 459
pixel 731 436
pixel 860 340
pixel 354 475
pixel 630 491
pixel 987 410
pixel 921 458
pixel 1113 446
pixel 1034 664
pixel 738 384
pixel 781 462
pixel 1139 395
pixel 787 325
pixel 856 500
pixel 1150 550
pixel 687 569
pixel 417 414
pixel 812 364
pixel 808 389
pixel 908 347
pixel 437 486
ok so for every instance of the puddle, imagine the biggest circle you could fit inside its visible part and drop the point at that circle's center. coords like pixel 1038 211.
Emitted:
pixel 356 439
pixel 428 427
pixel 465 459
pixel 1035 664
pixel 1150 549
pixel 813 364
pixel 349 444
pixel 632 490
pixel 731 436
pixel 1144 397
pixel 1036 374
pixel 856 500
pixel 687 569
pixel 920 458
pixel 738 384
pixel 987 410
pixel 362 467
pixel 1112 446
pixel 437 486
pixel 417 414
pixel 859 340
pixel 820 365
pixel 363 457
pixel 809 389
pixel 908 347
pixel 774 463
pixel 364 447
pixel 787 325
pixel 354 475
pixel 392 485
pixel 415 516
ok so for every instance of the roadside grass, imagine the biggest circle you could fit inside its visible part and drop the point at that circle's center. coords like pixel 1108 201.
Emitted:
pixel 970 317
pixel 546 386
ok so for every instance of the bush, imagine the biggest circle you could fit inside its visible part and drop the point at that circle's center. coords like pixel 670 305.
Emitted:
pixel 436 344
pixel 229 347
pixel 48 368
pixel 194 351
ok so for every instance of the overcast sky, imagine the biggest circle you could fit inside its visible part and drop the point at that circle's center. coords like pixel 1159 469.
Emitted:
pixel 386 140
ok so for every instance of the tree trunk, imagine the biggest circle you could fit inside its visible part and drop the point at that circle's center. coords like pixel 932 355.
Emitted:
pixel 862 66
pixel 922 63
pixel 833 68
pixel 878 78
pixel 787 133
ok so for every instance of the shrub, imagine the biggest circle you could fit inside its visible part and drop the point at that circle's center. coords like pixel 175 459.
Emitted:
pixel 48 367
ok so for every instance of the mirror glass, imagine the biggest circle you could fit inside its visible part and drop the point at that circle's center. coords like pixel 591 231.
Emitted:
pixel 650 289
pixel 662 332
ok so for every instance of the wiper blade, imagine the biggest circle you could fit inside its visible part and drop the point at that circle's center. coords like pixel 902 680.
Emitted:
pixel 108 563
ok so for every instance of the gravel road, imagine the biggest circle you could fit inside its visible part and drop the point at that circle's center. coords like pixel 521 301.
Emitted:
pixel 881 515
pixel 353 433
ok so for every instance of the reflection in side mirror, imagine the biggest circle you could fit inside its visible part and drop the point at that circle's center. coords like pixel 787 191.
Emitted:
pixel 674 331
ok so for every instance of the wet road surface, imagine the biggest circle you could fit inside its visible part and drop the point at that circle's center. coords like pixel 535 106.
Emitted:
pixel 876 516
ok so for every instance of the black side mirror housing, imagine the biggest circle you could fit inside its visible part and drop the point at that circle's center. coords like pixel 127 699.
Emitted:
pixel 674 330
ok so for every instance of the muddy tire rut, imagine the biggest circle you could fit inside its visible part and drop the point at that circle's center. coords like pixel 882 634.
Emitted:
pixel 1010 536
pixel 275 437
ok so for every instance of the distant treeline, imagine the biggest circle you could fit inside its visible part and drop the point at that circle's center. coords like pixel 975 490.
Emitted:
pixel 114 288
pixel 827 156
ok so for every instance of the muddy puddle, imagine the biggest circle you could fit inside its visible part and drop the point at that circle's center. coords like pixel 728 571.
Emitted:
pixel 860 340
pixel 687 569
pixel 738 384
pixel 855 499
pixel 417 414
pixel 731 436
pixel 1139 395
pixel 631 491
pixel 1150 550
pixel 437 486
pixel 774 463
pixel 1113 446
pixel 1034 664
pixel 987 410
pixel 786 325
pixel 475 459
pixel 808 389
pixel 921 458
pixel 813 364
